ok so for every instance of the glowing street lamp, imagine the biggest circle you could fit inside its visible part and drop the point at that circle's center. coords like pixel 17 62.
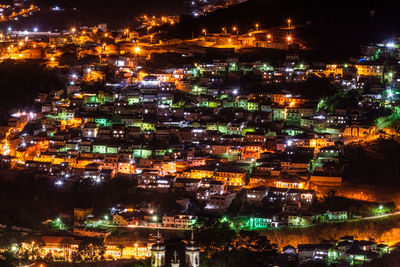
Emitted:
pixel 234 28
pixel 269 36
pixel 204 31
pixel 289 21
pixel 224 30
pixel 257 25
pixel 289 39
pixel 137 49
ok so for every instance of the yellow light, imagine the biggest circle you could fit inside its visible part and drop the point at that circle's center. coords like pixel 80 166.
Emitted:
pixel 52 59
pixel 21 43
pixel 137 50
pixel 234 28
pixel 106 35
pixel 73 30
pixel 269 36
pixel 289 38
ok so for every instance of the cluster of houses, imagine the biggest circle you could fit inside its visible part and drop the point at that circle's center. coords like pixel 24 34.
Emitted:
pixel 346 251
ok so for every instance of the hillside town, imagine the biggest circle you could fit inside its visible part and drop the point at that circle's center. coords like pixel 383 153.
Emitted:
pixel 205 134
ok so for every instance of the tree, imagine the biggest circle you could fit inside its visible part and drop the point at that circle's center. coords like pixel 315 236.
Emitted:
pixel 121 248
pixel 66 245
pixel 91 249
pixel 69 59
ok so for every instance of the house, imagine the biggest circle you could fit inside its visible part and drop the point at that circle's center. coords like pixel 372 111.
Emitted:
pixel 185 221
pixel 312 252
pixel 186 184
pixel 220 201
pixel 299 220
pixel 359 132
pixel 93 170
pixel 290 182
pixel 81 215
pixel 290 252
pixel 256 194
pixel 233 178
pixel 216 187
pixel 304 196
pixel 203 194
pixel 182 221
pixel 336 215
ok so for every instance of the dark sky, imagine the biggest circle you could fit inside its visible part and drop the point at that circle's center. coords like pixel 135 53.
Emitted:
pixel 334 25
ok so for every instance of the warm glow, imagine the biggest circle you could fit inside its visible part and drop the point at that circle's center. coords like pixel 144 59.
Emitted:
pixel 137 50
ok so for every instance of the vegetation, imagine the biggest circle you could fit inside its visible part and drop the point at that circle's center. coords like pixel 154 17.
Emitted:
pixel 373 163
pixel 380 230
pixel 19 84
pixel 353 206
pixel 225 247
pixel 28 201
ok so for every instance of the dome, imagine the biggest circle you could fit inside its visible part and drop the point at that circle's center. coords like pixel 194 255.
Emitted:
pixel 158 246
pixel 192 246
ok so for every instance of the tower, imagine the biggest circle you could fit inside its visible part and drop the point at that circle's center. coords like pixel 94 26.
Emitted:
pixel 192 253
pixel 175 260
pixel 158 253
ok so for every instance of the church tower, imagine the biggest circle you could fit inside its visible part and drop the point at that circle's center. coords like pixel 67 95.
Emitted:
pixel 158 253
pixel 175 260
pixel 192 253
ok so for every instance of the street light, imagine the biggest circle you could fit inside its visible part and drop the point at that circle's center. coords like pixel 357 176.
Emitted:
pixel 224 30
pixel 137 49
pixel 257 25
pixel 289 21
pixel 289 38
pixel 205 32
pixel 234 28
